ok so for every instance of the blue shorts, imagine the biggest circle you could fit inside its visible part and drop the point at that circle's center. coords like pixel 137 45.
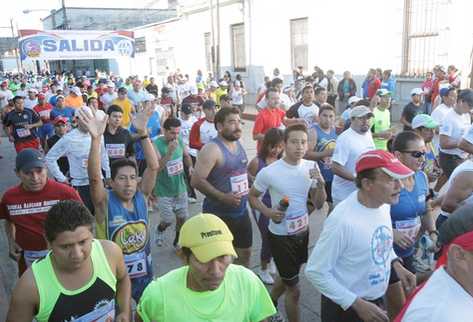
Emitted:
pixel 46 131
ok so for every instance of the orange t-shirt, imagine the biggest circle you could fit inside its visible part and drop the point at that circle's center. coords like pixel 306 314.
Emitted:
pixel 266 119
pixel 74 102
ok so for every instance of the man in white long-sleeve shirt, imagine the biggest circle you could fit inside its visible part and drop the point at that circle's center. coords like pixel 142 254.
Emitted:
pixel 75 145
pixel 351 262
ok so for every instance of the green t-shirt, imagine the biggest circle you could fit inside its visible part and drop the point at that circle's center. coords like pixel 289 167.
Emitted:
pixel 170 181
pixel 241 297
pixel 381 122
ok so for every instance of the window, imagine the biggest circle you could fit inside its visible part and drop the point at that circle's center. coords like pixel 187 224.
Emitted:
pixel 238 47
pixel 208 52
pixel 422 24
pixel 140 45
pixel 299 45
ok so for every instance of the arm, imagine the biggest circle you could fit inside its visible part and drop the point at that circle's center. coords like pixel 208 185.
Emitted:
pixel 58 150
pixel 257 203
pixel 317 191
pixel 447 142
pixel 187 160
pixel 123 287
pixel 14 250
pixel 206 161
pixel 404 121
pixel 311 154
pixel 466 146
pixel 104 159
pixel 252 169
pixel 25 299
pixel 341 171
pixel 460 189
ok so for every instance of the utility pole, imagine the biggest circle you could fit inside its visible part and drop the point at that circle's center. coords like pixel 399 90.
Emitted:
pixel 217 75
pixel 18 65
pixel 212 28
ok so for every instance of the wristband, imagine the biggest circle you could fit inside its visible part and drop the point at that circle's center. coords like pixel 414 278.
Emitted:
pixel 144 137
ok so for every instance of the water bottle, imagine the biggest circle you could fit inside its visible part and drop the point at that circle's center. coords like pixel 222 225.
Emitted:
pixel 282 206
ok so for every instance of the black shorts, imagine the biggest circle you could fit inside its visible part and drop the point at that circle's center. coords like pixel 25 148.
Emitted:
pixel 332 312
pixel 289 253
pixel 241 230
pixel 328 191
pixel 408 263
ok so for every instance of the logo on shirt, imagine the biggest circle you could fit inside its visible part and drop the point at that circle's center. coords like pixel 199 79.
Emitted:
pixel 131 237
pixel 381 245
pixel 211 233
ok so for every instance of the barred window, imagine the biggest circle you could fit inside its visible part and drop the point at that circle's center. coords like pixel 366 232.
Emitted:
pixel 299 43
pixel 238 47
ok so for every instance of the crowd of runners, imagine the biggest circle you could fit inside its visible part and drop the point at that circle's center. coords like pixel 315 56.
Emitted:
pixel 96 156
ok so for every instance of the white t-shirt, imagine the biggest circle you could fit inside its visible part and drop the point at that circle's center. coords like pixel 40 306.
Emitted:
pixel 108 98
pixel 237 96
pixel 455 126
pixel 30 103
pixel 6 94
pixel 349 146
pixel 283 179
pixel 285 102
pixel 308 113
pixel 441 299
pixel 440 112
pixel 353 255
pixel 207 132
pixel 466 166
pixel 186 126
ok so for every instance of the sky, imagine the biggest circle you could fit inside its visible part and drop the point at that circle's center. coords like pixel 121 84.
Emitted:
pixel 41 9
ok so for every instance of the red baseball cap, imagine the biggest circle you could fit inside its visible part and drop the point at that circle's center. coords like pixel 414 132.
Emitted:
pixel 41 96
pixel 385 161
pixel 60 119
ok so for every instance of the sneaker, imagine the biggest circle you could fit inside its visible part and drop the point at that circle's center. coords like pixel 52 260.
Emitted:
pixel 277 318
pixel 192 200
pixel 272 267
pixel 266 277
pixel 159 238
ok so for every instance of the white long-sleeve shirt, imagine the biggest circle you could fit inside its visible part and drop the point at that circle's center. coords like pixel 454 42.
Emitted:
pixel 75 145
pixel 353 255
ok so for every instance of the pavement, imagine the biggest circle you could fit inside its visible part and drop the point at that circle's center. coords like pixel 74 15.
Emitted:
pixel 164 257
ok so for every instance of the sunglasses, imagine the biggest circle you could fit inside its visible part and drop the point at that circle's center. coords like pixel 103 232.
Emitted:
pixel 415 154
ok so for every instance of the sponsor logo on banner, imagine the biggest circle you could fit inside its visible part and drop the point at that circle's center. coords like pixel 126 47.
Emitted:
pixel 75 44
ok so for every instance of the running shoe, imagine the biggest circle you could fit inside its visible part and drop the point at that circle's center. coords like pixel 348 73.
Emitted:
pixel 266 277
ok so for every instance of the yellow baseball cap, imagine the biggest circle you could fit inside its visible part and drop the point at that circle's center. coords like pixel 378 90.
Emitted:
pixel 207 236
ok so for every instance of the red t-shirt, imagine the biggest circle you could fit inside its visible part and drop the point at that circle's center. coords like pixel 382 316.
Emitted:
pixel 43 111
pixel 27 211
pixel 373 87
pixel 266 119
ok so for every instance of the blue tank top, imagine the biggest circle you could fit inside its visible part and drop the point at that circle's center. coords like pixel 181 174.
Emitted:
pixel 405 215
pixel 325 141
pixel 130 231
pixel 231 176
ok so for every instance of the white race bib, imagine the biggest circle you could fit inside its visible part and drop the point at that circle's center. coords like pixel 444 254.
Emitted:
pixel 136 265
pixel 32 255
pixel 175 167
pixel 115 150
pixel 22 132
pixel 297 224
pixel 239 185
pixel 409 227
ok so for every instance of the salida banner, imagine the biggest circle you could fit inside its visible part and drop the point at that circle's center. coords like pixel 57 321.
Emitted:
pixel 75 44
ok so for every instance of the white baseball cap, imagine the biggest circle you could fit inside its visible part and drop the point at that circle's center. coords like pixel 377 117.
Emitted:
pixel 417 91
pixel 76 90
pixel 354 99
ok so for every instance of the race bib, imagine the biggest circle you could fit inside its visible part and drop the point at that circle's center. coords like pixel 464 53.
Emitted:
pixel 175 167
pixel 22 132
pixel 136 265
pixel 409 227
pixel 32 255
pixel 297 224
pixel 239 185
pixel 115 151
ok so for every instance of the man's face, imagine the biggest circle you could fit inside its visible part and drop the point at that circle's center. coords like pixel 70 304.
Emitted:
pixel 308 95
pixel 171 134
pixel 60 102
pixel 122 95
pixel 383 188
pixel 209 114
pixel 40 100
pixel 416 99
pixel 226 103
pixel 60 129
pixel 463 107
pixel 115 119
pixel 110 90
pixel 136 86
pixel 125 183
pixel 427 134
pixel 208 276
pixel 19 105
pixel 321 97
pixel 278 86
pixel 71 249
pixel 94 103
pixel 273 99
pixel 231 130
pixel 34 179
pixel 31 95
pixel 327 119
pixel 385 100
pixel 451 98
pixel 361 124
pixel 296 145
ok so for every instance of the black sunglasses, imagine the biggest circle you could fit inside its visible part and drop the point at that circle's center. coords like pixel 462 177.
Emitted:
pixel 415 154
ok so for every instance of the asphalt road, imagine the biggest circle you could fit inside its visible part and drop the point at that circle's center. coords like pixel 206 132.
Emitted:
pixel 164 257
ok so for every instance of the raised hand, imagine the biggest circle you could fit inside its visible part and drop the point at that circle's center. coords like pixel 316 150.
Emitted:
pixel 141 119
pixel 95 126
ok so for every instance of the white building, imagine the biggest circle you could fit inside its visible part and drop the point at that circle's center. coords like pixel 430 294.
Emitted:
pixel 255 36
